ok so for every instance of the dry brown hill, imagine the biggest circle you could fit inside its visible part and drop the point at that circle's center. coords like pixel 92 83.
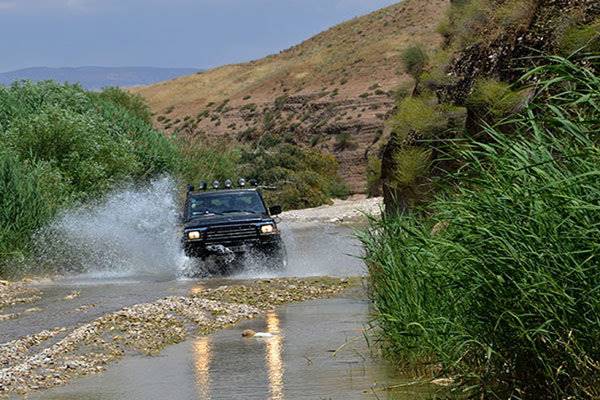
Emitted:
pixel 333 91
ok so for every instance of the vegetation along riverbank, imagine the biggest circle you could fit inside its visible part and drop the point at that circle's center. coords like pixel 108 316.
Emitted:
pixel 484 268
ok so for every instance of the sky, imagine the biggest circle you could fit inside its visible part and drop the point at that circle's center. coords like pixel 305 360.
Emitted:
pixel 161 33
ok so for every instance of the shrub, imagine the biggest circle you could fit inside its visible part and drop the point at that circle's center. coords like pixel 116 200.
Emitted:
pixel 410 164
pixel 133 103
pixel 205 161
pixel 66 145
pixel 586 38
pixel 466 19
pixel 493 98
pixel 303 177
pixel 414 59
pixel 503 289
pixel 514 12
pixel 343 141
pixel 23 207
pixel 417 115
pixel 280 102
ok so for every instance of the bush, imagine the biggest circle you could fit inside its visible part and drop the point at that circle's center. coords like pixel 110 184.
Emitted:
pixel 586 38
pixel 374 176
pixel 23 207
pixel 414 60
pixel 204 161
pixel 417 115
pixel 344 141
pixel 501 287
pixel 133 103
pixel 410 164
pixel 514 12
pixel 61 144
pixel 494 99
pixel 466 19
pixel 302 177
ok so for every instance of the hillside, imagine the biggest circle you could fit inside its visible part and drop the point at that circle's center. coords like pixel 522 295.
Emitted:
pixel 333 92
pixel 95 78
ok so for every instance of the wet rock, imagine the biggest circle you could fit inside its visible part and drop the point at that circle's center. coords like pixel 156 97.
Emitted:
pixel 16 293
pixel 72 295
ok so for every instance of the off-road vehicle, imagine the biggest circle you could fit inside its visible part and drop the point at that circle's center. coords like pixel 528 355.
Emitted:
pixel 231 225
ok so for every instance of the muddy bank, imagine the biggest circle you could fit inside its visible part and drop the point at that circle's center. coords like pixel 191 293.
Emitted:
pixel 55 356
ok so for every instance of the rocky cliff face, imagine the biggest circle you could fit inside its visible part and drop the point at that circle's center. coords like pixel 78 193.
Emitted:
pixel 504 55
pixel 499 53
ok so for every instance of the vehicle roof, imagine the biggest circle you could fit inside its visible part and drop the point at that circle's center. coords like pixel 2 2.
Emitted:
pixel 231 191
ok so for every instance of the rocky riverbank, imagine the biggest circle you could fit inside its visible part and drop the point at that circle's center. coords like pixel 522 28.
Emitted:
pixel 354 209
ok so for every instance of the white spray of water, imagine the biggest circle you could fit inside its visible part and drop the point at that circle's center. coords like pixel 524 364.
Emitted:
pixel 132 232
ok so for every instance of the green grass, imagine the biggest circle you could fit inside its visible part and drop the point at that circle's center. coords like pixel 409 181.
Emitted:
pixel 497 281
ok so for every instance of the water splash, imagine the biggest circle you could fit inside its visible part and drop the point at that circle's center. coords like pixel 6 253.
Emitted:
pixel 134 231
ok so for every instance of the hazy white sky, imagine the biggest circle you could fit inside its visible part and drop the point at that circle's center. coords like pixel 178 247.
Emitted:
pixel 164 33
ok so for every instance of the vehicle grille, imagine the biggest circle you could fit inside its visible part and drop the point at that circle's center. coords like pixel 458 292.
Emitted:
pixel 231 233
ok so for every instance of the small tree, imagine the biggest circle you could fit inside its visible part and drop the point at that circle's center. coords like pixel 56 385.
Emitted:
pixel 414 59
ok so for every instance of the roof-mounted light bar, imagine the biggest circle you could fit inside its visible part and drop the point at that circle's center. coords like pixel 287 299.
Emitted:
pixel 227 184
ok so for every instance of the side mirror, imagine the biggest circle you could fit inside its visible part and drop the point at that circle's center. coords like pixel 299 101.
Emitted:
pixel 180 218
pixel 275 210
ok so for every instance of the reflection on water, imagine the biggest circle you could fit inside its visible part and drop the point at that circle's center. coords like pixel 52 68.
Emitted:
pixel 203 356
pixel 275 356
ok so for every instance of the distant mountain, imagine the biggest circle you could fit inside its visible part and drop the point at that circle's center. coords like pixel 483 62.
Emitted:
pixel 94 78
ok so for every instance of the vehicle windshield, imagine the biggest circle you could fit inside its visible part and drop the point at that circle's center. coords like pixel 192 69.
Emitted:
pixel 225 203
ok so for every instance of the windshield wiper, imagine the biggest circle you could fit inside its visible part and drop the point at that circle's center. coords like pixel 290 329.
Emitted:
pixel 237 211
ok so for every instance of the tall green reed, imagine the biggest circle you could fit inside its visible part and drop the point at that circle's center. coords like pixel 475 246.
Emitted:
pixel 502 285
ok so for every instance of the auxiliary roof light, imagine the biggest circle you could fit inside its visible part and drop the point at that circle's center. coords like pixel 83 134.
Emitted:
pixel 242 182
pixel 254 182
pixel 228 184
pixel 190 188
pixel 216 184
pixel 203 185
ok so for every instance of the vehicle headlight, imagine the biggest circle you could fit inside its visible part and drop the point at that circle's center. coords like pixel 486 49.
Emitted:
pixel 267 229
pixel 194 235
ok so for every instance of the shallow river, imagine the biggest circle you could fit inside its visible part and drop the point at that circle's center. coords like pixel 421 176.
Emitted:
pixel 318 350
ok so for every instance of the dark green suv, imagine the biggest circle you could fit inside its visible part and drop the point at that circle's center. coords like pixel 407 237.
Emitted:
pixel 230 225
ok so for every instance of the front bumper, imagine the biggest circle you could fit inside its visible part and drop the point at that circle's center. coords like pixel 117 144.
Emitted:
pixel 201 248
